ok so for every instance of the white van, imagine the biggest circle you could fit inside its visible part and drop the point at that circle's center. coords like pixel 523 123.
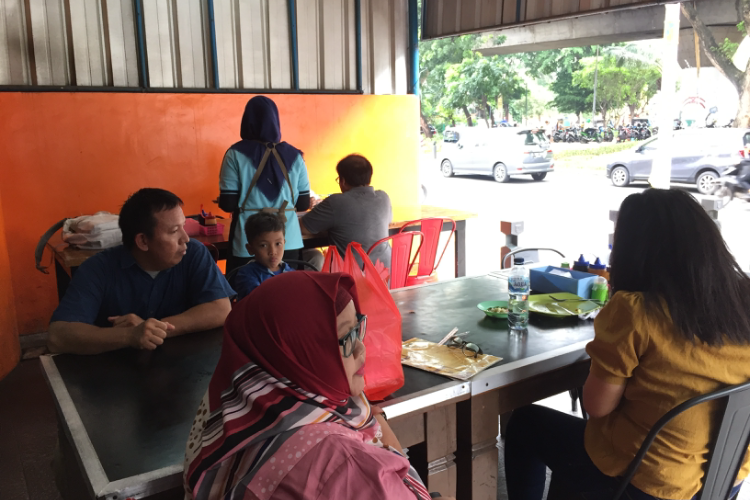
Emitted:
pixel 499 152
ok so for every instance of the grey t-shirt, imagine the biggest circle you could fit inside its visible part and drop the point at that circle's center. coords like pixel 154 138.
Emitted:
pixel 361 214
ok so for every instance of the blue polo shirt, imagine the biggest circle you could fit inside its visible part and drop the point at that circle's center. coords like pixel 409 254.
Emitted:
pixel 112 284
pixel 252 274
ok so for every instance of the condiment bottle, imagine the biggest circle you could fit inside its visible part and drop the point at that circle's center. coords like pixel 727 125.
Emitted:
pixel 565 265
pixel 598 268
pixel 581 265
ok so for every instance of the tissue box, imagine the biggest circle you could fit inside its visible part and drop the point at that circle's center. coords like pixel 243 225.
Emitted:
pixel 544 282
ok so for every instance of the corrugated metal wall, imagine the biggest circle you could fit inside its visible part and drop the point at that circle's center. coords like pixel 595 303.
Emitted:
pixel 452 17
pixel 94 43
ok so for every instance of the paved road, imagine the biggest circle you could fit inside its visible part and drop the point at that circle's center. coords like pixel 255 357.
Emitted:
pixel 569 211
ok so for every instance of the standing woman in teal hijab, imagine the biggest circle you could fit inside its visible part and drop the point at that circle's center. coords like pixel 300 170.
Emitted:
pixel 261 173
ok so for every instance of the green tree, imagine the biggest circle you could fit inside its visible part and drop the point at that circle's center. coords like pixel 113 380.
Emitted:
pixel 480 82
pixel 720 55
pixel 435 58
pixel 611 80
pixel 570 98
pixel 642 72
pixel 557 67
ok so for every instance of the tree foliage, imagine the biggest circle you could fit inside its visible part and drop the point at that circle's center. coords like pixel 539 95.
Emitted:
pixel 621 81
pixel 720 54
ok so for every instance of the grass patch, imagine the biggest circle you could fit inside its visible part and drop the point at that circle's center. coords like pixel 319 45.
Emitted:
pixel 593 163
pixel 595 151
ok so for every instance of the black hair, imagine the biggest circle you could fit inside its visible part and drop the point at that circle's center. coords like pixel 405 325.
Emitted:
pixel 262 222
pixel 137 213
pixel 356 170
pixel 668 248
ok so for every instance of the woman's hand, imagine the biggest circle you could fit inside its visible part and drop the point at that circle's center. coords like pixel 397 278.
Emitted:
pixel 389 438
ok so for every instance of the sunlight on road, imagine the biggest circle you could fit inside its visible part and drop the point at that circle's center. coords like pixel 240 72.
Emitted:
pixel 569 211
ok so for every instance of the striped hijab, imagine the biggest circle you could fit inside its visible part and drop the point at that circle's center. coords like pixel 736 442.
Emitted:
pixel 280 378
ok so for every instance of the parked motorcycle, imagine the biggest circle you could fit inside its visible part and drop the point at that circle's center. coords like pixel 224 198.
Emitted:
pixel 625 134
pixel 590 134
pixel 572 135
pixel 729 186
pixel 642 132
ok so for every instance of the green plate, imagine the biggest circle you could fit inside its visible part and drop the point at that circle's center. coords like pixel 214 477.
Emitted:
pixel 484 306
pixel 561 304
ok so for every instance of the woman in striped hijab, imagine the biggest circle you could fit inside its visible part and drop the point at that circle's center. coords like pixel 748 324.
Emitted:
pixel 285 417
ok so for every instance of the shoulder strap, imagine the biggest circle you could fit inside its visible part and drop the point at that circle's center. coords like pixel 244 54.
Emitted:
pixel 258 170
pixel 270 148
pixel 284 171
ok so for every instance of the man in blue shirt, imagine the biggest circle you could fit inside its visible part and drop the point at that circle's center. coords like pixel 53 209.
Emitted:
pixel 157 284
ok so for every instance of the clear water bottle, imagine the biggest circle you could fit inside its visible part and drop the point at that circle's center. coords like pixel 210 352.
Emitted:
pixel 518 287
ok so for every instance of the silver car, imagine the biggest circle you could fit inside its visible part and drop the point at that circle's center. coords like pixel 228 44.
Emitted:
pixel 499 152
pixel 699 156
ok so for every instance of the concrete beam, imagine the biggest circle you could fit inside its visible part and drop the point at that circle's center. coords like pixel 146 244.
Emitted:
pixel 624 26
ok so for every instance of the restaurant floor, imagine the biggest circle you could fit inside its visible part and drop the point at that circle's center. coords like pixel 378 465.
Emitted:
pixel 28 435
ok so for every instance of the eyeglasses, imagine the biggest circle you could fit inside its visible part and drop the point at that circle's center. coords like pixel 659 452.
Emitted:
pixel 469 349
pixel 356 334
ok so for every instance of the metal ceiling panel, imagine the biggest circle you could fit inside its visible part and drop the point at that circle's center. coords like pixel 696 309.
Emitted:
pixel 95 43
pixel 176 43
pixel 325 34
pixel 14 57
pixel 384 46
pixel 50 42
pixel 123 54
pixel 253 44
pixel 444 18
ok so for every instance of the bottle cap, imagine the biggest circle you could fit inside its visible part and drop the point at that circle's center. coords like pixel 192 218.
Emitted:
pixel 598 265
pixel 600 280
pixel 582 262
pixel 518 261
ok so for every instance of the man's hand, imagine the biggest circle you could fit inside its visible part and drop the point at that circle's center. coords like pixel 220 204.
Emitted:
pixel 126 320
pixel 150 334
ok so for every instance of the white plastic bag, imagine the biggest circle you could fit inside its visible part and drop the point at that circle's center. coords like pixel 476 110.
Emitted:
pixel 93 232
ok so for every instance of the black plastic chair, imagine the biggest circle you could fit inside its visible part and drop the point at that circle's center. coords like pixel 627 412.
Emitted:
pixel 727 450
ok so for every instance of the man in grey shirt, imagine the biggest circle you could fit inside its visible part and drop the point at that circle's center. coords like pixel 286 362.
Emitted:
pixel 358 214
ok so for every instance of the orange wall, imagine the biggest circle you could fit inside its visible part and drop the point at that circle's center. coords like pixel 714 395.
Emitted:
pixel 67 154
pixel 9 348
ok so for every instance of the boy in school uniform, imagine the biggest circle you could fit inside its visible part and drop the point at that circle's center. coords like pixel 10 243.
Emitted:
pixel 265 241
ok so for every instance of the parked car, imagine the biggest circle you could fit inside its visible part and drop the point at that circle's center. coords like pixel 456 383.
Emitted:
pixel 699 156
pixel 499 152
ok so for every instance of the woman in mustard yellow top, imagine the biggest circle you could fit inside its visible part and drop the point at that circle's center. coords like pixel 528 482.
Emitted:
pixel 677 326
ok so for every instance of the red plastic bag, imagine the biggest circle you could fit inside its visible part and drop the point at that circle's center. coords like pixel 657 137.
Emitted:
pixel 333 262
pixel 383 371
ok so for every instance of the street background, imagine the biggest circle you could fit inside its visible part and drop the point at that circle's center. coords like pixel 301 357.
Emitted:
pixel 569 211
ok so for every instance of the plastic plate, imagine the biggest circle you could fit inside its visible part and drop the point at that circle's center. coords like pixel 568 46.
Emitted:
pixel 485 306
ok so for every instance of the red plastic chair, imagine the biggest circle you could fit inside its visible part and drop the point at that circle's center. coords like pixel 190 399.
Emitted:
pixel 431 229
pixel 401 256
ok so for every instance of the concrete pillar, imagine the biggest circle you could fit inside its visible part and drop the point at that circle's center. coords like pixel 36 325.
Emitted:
pixel 662 164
